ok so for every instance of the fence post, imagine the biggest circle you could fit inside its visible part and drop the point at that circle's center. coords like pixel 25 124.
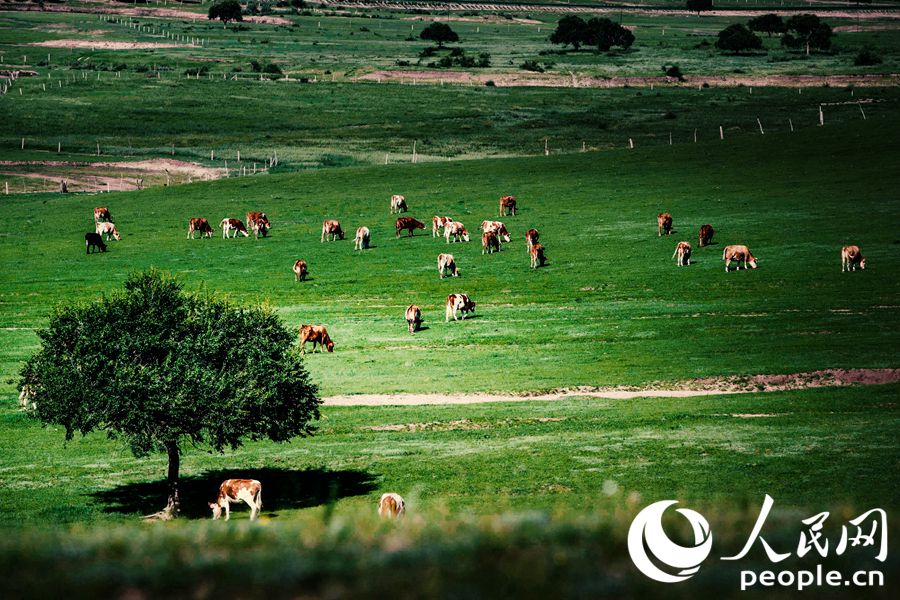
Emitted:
pixel 721 133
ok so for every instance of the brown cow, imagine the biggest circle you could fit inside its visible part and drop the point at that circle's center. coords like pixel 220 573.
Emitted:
pixel 332 228
pixel 259 223
pixel 457 231
pixel 490 243
pixel 738 254
pixel 446 263
pixel 458 302
pixel 531 238
pixel 362 239
pixel 238 490
pixel 236 225
pixel 300 271
pixel 683 253
pixel 391 506
pixel 850 258
pixel 438 223
pixel 201 225
pixel 398 204
pixel 497 227
pixel 663 224
pixel 537 256
pixel 413 318
pixel 108 229
pixel 317 334
pixel 409 224
pixel 706 235
pixel 101 213
pixel 507 205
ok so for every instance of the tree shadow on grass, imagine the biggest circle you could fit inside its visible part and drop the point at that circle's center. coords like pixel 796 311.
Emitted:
pixel 282 489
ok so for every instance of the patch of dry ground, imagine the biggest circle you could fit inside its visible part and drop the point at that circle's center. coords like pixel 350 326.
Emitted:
pixel 707 386
pixel 104 44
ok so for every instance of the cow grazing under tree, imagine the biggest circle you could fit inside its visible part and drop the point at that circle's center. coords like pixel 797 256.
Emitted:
pixel 538 259
pixel 456 231
pixel 447 264
pixel 107 229
pixel 408 224
pixel 531 238
pixel 258 222
pixel 437 224
pixel 490 243
pixel 201 226
pixel 398 204
pixel 362 239
pixel 391 506
pixel 683 254
pixel 332 228
pixel 94 241
pixel 300 271
pixel 101 213
pixel 507 205
pixel 238 490
pixel 233 225
pixel 706 235
pixel 317 334
pixel 851 258
pixel 458 303
pixel 413 318
pixel 738 254
pixel 663 224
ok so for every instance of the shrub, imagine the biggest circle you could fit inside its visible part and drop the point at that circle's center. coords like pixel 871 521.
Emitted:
pixel 532 65
pixel 866 58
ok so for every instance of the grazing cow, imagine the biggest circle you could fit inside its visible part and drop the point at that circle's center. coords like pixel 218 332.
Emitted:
pixel 332 228
pixel 94 240
pixel 683 253
pixel 413 318
pixel 101 213
pixel 238 490
pixel 108 229
pixel 235 225
pixel 258 222
pixel 438 223
pixel 457 231
pixel 850 258
pixel 409 224
pixel 663 224
pixel 391 506
pixel 317 334
pixel 300 271
pixel 497 227
pixel 490 243
pixel 537 256
pixel 738 254
pixel 446 263
pixel 362 239
pixel 458 302
pixel 507 205
pixel 531 238
pixel 706 235
pixel 398 204
pixel 201 225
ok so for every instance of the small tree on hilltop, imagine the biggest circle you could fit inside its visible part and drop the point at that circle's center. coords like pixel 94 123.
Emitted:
pixel 699 5
pixel 440 33
pixel 157 367
pixel 570 31
pixel 807 31
pixel 769 24
pixel 737 38
pixel 605 34
pixel 227 10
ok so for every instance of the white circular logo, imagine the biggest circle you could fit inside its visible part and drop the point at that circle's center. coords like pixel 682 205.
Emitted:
pixel 646 535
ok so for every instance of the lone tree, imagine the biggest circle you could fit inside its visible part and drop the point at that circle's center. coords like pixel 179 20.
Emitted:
pixel 440 33
pixel 605 33
pixel 770 23
pixel 570 31
pixel 699 5
pixel 158 368
pixel 227 10
pixel 807 31
pixel 737 38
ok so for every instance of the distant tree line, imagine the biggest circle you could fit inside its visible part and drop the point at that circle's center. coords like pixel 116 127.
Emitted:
pixel 595 32
pixel 800 31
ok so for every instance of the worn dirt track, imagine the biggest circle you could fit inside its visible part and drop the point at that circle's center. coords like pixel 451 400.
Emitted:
pixel 708 386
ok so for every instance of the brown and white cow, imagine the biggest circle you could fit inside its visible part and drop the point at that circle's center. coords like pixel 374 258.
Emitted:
pixel 706 235
pixel 301 270
pixel 409 224
pixel 851 258
pixel 398 204
pixel 391 506
pixel 438 223
pixel 531 238
pixel 413 318
pixel 199 225
pixel 236 225
pixel 93 241
pixel 447 264
pixel 238 490
pixel 456 231
pixel 101 213
pixel 497 227
pixel 663 224
pixel 458 303
pixel 490 243
pixel 537 256
pixel 361 241
pixel 317 334
pixel 683 253
pixel 258 222
pixel 738 254
pixel 332 228
pixel 107 229
pixel 507 205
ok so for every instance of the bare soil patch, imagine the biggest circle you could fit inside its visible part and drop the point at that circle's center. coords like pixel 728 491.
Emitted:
pixel 104 44
pixel 490 19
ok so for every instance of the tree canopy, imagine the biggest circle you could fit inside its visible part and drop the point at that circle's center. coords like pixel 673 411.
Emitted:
pixel 699 5
pixel 226 10
pixel 737 38
pixel 570 31
pixel 158 367
pixel 440 33
pixel 807 31
pixel 602 33
pixel 770 23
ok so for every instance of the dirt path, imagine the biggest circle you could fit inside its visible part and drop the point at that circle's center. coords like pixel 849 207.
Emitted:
pixel 708 386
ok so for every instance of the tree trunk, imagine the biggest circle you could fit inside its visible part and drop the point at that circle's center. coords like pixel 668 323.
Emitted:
pixel 174 503
pixel 807 48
